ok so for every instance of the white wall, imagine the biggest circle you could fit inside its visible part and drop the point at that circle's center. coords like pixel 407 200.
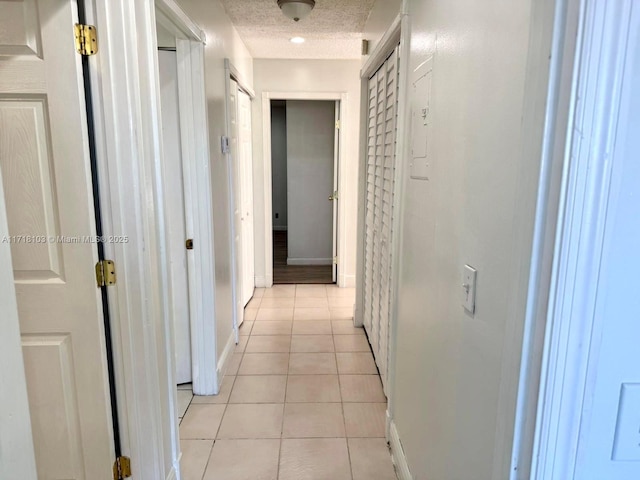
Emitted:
pixel 312 76
pixel 223 42
pixel 382 15
pixel 452 369
pixel 279 166
pixel 310 149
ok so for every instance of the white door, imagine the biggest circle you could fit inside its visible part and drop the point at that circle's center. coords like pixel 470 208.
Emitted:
pixel 45 163
pixel 380 173
pixel 246 194
pixel 175 205
pixel 236 198
pixel 334 194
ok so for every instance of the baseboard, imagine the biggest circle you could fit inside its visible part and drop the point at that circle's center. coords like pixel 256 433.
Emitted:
pixel 224 358
pixel 397 454
pixel 279 228
pixel 346 281
pixel 264 281
pixel 309 261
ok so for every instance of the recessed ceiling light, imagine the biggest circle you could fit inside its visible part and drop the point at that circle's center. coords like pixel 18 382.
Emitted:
pixel 296 40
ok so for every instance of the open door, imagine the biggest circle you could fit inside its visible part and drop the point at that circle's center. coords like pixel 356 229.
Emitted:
pixel 246 195
pixel 334 195
pixel 46 169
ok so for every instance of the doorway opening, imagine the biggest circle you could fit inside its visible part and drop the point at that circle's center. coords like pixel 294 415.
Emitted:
pixel 304 166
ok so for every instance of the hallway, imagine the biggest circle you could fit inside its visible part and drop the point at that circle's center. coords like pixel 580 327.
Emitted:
pixel 303 399
pixel 293 274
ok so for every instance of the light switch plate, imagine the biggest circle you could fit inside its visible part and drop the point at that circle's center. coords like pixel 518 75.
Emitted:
pixel 469 288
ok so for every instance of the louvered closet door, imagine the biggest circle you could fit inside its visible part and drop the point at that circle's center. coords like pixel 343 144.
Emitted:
pixel 380 172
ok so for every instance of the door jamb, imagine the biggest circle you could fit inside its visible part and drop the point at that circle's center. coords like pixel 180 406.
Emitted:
pixel 341 97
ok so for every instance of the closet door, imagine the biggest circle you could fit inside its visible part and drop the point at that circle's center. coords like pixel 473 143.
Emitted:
pixel 380 172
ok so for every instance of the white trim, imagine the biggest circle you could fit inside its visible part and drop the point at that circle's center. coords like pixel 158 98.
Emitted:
pixel 16 440
pixel 397 454
pixel 586 188
pixel 235 74
pixel 309 261
pixel 267 179
pixel 178 19
pixel 225 356
pixel 384 48
pixel 347 281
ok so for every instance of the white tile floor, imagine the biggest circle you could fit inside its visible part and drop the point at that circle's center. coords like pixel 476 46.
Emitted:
pixel 302 399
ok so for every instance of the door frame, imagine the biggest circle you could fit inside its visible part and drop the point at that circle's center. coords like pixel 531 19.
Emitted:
pixel 341 97
pixel 126 101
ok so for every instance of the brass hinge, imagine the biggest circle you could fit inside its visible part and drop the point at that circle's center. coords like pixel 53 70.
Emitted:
pixel 105 273
pixel 337 124
pixel 122 468
pixel 335 260
pixel 86 39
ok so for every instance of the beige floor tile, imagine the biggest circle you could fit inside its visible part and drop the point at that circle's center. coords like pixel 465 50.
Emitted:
pixel 264 364
pixel 314 459
pixel 312 343
pixel 280 291
pixel 242 344
pixel 269 344
pixel 250 314
pixel 365 419
pixel 341 313
pixel 252 421
pixel 277 302
pixel 254 303
pixel 201 422
pixel 184 399
pixel 356 363
pixel 319 327
pixel 345 327
pixel 258 292
pixel 361 388
pixel 272 328
pixel 312 302
pixel 244 460
pixel 274 314
pixel 313 389
pixel 312 364
pixel 311 314
pixel 318 291
pixel 341 302
pixel 335 291
pixel 195 455
pixel 222 397
pixel 234 364
pixel 313 420
pixel 352 343
pixel 259 389
pixel 371 459
pixel 247 325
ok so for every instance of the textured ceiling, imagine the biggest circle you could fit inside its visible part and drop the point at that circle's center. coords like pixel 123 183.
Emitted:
pixel 332 30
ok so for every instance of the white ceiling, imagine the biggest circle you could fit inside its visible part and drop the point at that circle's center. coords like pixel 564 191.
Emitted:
pixel 332 30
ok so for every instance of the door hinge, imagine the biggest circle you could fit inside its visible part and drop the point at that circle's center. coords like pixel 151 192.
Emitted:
pixel 105 273
pixel 122 468
pixel 337 124
pixel 86 39
pixel 335 260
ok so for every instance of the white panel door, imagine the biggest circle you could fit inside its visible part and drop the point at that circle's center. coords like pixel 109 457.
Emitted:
pixel 334 195
pixel 236 198
pixel 380 173
pixel 175 205
pixel 44 158
pixel 246 195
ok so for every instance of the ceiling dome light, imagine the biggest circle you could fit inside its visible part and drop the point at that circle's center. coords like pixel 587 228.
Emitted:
pixel 296 40
pixel 296 9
